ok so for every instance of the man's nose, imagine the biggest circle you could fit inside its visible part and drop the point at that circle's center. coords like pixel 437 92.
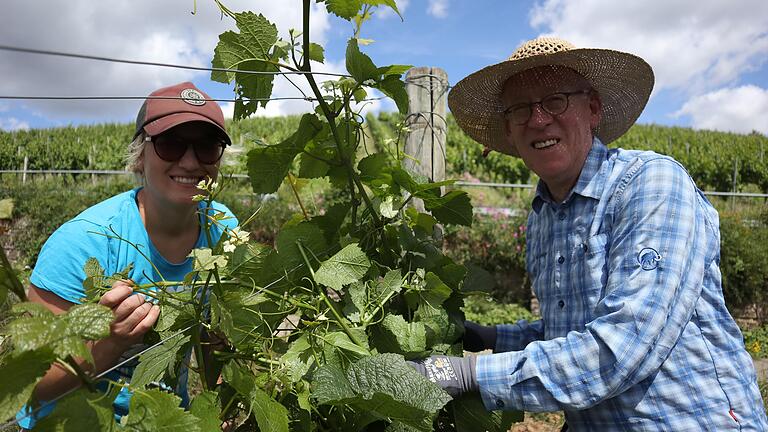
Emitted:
pixel 539 116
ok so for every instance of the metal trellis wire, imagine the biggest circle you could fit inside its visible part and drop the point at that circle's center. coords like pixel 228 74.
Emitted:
pixel 168 65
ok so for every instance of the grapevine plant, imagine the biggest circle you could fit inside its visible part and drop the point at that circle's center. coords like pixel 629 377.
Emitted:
pixel 312 334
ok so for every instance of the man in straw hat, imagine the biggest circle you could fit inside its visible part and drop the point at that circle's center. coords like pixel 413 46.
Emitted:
pixel 623 254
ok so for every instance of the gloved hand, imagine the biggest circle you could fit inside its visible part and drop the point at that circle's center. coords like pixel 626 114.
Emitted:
pixel 479 337
pixel 455 375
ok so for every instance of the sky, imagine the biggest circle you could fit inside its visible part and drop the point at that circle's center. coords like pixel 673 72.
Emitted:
pixel 710 57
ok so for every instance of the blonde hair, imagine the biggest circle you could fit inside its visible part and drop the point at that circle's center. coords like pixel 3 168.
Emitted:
pixel 134 155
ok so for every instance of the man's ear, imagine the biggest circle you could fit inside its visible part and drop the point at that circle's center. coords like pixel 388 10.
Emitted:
pixel 595 109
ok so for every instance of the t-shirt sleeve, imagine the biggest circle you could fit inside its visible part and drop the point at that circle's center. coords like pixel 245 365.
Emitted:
pixel 59 267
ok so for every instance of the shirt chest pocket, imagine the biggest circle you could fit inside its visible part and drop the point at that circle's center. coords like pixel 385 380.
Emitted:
pixel 589 274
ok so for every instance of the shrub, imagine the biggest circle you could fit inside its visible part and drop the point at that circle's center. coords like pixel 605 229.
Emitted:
pixel 486 311
pixel 497 244
pixel 743 263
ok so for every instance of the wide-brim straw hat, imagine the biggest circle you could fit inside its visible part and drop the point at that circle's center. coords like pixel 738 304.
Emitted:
pixel 623 81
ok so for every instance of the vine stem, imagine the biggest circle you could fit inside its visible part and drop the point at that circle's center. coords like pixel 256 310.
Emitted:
pixel 306 67
pixel 292 181
pixel 335 313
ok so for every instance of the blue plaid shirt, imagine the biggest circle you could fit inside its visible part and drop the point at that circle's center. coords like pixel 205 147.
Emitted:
pixel 634 332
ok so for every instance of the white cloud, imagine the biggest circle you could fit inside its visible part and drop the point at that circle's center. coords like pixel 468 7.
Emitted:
pixel 12 124
pixel 146 30
pixel 739 109
pixel 438 8
pixel 692 46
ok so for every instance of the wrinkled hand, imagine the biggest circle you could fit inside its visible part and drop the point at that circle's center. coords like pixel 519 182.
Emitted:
pixel 134 316
pixel 455 375
pixel 479 337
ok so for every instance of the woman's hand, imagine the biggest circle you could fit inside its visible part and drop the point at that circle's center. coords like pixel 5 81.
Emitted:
pixel 134 316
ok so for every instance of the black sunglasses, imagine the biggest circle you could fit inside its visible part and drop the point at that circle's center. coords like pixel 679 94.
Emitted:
pixel 171 147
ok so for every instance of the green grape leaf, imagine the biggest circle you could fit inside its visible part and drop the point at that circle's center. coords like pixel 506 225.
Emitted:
pixel 397 70
pixel 355 301
pixel 31 309
pixel 298 359
pixel 316 52
pixel 387 208
pixel 393 87
pixel 471 416
pixel 478 279
pixel 399 336
pixel 359 94
pixel 452 274
pixel 340 340
pixel 312 167
pixel 346 9
pixel 399 427
pixel 385 386
pixel 271 416
pixel 433 294
pixel 159 362
pixel 346 266
pixel 391 3
pixel 249 50
pixel 156 410
pixel 81 411
pixel 88 321
pixel 383 289
pixel 452 208
pixel 359 65
pixel 206 408
pixel 205 260
pixel 244 316
pixel 256 38
pixel 248 259
pixel 176 312
pixel 441 327
pixel 21 372
pixel 9 282
pixel 308 234
pixel 65 333
pixel 423 221
pixel 375 170
pixel 330 223
pixel 95 280
pixel 268 165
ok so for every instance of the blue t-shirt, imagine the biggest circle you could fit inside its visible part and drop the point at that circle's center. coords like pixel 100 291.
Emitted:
pixel 59 267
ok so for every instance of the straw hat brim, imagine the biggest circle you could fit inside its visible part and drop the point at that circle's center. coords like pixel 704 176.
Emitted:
pixel 623 81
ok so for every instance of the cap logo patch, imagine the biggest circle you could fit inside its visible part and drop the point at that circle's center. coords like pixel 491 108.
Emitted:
pixel 192 97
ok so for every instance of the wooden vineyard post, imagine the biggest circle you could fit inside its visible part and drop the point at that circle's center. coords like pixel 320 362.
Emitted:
pixel 427 89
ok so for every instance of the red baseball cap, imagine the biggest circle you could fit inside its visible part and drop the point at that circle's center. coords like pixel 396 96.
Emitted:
pixel 171 106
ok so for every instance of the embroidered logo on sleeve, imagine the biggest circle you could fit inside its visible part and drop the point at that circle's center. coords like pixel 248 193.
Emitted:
pixel 648 258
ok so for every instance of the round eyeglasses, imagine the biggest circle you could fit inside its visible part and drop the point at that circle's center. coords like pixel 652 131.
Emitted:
pixel 553 104
pixel 171 147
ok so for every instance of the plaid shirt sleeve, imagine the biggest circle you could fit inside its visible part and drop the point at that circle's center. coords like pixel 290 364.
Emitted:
pixel 514 337
pixel 640 314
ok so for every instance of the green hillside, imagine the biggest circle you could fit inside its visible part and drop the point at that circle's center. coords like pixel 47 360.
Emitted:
pixel 711 157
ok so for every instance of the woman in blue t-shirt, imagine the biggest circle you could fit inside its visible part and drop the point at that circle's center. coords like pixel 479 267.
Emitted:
pixel 179 140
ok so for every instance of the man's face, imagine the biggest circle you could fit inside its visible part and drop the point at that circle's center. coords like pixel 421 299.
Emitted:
pixel 554 146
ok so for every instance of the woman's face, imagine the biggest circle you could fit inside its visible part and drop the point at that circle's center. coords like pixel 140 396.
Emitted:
pixel 175 182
